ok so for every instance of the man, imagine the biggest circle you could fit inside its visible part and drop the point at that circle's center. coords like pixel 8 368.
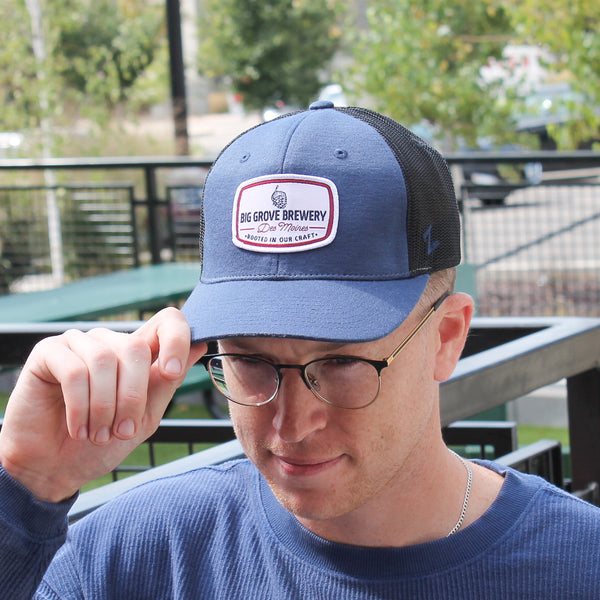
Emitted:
pixel 329 243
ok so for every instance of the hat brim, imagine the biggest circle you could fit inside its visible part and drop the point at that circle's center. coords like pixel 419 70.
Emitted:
pixel 324 310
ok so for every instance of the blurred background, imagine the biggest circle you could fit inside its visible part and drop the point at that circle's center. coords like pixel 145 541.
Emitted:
pixel 468 76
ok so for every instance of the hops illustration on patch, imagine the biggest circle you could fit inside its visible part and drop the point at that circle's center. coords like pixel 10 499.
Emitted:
pixel 279 198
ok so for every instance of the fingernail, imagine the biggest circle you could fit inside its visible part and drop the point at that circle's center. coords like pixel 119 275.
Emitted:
pixel 102 435
pixel 82 433
pixel 126 428
pixel 173 366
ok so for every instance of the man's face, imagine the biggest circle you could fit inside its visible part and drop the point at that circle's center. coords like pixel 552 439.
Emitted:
pixel 324 462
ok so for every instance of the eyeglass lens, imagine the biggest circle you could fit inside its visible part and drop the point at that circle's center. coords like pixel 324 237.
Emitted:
pixel 341 381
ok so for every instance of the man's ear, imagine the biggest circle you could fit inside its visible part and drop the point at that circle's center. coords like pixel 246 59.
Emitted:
pixel 453 327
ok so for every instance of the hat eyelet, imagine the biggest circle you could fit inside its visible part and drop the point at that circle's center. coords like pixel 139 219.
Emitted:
pixel 245 157
pixel 340 153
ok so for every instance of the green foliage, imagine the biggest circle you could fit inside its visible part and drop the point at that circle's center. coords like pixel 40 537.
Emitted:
pixel 19 87
pixel 420 62
pixel 529 434
pixel 98 56
pixel 114 41
pixel 571 31
pixel 270 50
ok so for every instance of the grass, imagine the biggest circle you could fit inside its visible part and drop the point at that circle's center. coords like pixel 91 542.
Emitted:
pixel 531 433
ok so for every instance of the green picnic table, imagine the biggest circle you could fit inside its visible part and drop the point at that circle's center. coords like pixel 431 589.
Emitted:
pixel 144 288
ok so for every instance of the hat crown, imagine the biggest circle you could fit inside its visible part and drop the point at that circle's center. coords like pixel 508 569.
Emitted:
pixel 397 213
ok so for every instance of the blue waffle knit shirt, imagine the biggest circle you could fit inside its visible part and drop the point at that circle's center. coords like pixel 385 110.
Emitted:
pixel 219 533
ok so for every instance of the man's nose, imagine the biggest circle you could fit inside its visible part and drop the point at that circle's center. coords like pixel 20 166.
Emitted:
pixel 298 412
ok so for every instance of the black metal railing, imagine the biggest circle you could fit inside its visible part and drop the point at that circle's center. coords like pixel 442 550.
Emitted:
pixel 50 235
pixel 531 222
pixel 482 439
pixel 149 178
pixel 194 434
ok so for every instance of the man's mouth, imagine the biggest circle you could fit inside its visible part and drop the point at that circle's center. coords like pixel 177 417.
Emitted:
pixel 305 466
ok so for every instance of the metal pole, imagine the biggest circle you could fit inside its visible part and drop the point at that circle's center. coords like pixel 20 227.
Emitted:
pixel 583 395
pixel 38 42
pixel 177 78
pixel 153 216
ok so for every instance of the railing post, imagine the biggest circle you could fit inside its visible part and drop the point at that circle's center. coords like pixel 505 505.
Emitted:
pixel 583 396
pixel 153 216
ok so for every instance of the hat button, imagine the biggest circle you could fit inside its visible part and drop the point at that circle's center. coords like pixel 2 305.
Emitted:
pixel 321 104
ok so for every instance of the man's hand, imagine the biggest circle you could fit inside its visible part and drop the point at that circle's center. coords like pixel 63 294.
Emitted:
pixel 84 401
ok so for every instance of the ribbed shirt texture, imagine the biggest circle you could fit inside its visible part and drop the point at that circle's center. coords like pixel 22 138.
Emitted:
pixel 219 533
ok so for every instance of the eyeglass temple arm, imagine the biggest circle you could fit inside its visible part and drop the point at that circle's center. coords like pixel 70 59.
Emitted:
pixel 416 330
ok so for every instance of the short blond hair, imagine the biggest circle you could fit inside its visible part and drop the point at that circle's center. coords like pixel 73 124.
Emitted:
pixel 439 283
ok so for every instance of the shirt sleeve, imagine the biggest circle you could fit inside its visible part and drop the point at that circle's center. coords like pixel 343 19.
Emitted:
pixel 30 534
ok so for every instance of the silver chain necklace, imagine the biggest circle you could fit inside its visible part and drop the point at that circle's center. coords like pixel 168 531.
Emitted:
pixel 467 495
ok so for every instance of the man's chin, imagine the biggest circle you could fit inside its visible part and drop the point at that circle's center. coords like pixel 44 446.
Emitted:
pixel 307 506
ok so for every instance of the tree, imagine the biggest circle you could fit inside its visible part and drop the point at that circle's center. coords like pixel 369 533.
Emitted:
pixel 570 30
pixel 60 59
pixel 271 50
pixel 19 87
pixel 422 62
pixel 95 53
pixel 103 49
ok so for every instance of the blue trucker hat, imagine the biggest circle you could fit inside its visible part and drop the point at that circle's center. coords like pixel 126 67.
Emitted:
pixel 323 224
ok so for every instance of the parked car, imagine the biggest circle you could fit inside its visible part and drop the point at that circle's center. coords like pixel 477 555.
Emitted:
pixel 335 93
pixel 10 142
pixel 548 105
pixel 492 182
pixel 277 110
pixel 332 91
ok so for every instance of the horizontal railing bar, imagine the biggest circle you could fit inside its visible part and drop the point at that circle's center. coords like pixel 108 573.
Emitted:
pixel 87 187
pixel 90 500
pixel 527 453
pixel 561 347
pixel 130 162
pixel 501 435
pixel 547 156
pixel 18 339
pixel 493 377
pixel 120 162
pixel 194 431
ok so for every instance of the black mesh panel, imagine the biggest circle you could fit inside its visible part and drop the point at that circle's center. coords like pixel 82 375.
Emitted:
pixel 431 195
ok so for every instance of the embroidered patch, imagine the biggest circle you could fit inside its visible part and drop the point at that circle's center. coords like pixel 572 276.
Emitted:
pixel 285 213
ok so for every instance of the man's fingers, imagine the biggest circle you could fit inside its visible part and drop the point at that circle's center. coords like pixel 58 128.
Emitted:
pixel 84 400
pixel 168 335
pixel 118 385
pixel 54 363
pixel 101 360
pixel 116 369
pixel 132 388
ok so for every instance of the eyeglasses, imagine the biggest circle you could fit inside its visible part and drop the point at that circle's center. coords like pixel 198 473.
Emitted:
pixel 347 382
